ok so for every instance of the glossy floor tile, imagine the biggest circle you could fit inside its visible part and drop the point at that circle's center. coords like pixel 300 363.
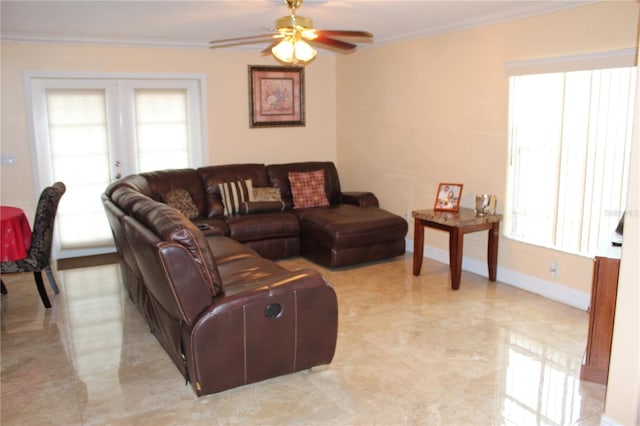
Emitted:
pixel 410 351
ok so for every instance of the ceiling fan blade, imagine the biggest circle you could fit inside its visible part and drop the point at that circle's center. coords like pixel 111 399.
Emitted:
pixel 267 50
pixel 356 36
pixel 333 44
pixel 237 41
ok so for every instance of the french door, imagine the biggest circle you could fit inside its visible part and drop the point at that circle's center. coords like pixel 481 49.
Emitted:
pixel 90 131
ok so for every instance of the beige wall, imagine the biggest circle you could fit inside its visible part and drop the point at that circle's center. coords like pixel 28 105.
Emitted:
pixel 623 390
pixel 413 114
pixel 230 138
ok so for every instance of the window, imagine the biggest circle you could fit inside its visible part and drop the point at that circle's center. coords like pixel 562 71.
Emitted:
pixel 89 131
pixel 569 141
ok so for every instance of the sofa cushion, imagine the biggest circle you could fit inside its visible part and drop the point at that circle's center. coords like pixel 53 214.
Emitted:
pixel 234 194
pixel 347 226
pixel 307 189
pixel 255 227
pixel 136 183
pixel 171 225
pixel 162 182
pixel 181 199
pixel 240 267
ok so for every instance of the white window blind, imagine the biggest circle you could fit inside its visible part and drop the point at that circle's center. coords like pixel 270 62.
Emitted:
pixel 90 131
pixel 79 149
pixel 570 140
pixel 162 129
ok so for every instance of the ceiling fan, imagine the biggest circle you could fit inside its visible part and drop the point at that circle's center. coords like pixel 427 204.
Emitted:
pixel 294 36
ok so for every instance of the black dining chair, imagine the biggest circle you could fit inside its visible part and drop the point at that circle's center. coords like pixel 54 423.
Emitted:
pixel 39 257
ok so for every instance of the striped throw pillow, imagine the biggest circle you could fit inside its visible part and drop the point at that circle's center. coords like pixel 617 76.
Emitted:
pixel 234 194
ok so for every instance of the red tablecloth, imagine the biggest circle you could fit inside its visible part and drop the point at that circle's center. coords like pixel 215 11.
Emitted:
pixel 15 234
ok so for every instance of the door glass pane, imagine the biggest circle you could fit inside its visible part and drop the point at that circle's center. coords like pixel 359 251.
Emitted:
pixel 80 158
pixel 162 132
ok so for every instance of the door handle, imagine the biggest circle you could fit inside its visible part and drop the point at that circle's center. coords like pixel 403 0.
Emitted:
pixel 118 174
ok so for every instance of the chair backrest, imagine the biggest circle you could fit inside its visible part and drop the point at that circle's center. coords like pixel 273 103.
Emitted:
pixel 42 234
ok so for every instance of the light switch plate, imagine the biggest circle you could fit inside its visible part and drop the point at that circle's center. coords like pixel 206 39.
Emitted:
pixel 8 159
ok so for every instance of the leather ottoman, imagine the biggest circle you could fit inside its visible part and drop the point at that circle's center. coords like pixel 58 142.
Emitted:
pixel 345 234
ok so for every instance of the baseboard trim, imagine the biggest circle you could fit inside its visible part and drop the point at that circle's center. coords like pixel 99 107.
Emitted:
pixel 608 421
pixel 85 261
pixel 547 289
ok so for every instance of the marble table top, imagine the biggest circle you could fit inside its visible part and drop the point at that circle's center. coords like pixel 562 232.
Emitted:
pixel 463 217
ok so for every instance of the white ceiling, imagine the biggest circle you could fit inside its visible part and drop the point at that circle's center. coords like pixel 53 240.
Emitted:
pixel 186 23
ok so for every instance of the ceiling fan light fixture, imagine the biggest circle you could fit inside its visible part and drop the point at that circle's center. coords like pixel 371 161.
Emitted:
pixel 292 51
pixel 293 21
pixel 293 37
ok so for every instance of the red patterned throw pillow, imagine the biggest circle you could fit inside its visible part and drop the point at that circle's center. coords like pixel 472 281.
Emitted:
pixel 307 189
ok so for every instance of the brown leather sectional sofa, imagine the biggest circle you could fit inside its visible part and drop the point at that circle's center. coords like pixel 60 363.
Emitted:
pixel 226 314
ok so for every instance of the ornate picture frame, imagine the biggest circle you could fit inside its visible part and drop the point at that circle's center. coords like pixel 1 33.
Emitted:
pixel 448 197
pixel 276 96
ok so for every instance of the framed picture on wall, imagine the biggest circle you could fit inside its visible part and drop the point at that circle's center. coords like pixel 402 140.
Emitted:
pixel 448 197
pixel 276 96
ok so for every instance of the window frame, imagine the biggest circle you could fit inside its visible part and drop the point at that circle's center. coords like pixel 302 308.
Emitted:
pixel 587 249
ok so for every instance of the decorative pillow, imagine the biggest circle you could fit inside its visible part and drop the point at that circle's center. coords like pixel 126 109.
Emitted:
pixel 181 199
pixel 234 194
pixel 308 189
pixel 249 207
pixel 268 193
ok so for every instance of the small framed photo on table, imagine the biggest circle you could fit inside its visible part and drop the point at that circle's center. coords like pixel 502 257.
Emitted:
pixel 448 197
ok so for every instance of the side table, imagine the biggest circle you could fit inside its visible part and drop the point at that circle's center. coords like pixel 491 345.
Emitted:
pixel 456 224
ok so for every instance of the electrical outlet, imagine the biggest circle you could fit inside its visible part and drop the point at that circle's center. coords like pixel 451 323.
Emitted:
pixel 553 268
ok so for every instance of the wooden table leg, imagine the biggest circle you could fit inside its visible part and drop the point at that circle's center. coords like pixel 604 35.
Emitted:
pixel 452 250
pixel 492 250
pixel 418 246
pixel 456 239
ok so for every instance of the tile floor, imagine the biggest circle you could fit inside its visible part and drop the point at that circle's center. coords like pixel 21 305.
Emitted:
pixel 410 351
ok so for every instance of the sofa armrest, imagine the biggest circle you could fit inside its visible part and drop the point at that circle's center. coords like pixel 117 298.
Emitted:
pixel 241 340
pixel 362 199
